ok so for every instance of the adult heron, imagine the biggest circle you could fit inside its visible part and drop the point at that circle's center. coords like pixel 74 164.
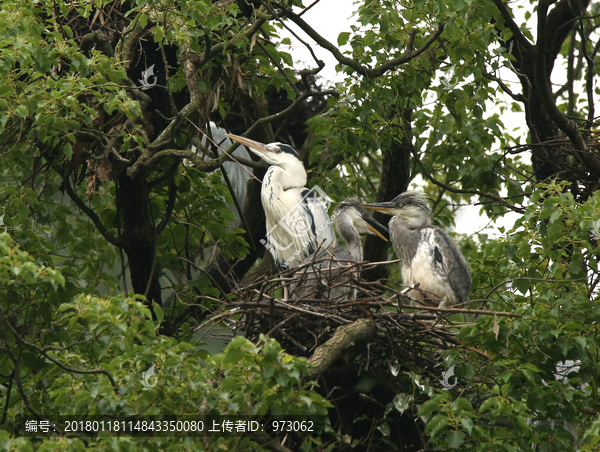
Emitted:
pixel 323 274
pixel 430 258
pixel 297 220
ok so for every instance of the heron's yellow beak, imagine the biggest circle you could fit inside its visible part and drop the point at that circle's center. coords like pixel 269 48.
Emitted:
pixel 386 207
pixel 376 227
pixel 255 146
pixel 377 233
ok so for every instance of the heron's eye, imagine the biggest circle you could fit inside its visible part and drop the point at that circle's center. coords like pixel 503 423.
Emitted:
pixel 279 151
pixel 401 204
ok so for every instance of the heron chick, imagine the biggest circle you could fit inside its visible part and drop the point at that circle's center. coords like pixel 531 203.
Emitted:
pixel 297 220
pixel 430 258
pixel 323 274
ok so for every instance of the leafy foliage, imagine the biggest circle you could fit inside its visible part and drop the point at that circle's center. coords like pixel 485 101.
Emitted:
pixel 419 80
pixel 117 335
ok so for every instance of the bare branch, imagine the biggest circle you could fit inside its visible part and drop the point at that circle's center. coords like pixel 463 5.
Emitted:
pixel 88 211
pixel 566 125
pixel 505 88
pixel 458 190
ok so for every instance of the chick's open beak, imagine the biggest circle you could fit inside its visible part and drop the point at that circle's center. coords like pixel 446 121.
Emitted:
pixel 376 227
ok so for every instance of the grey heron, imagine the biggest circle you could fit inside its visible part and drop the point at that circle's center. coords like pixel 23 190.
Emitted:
pixel 430 258
pixel 237 174
pixel 297 220
pixel 324 272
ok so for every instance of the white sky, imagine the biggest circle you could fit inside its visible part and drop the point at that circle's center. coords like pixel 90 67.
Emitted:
pixel 330 18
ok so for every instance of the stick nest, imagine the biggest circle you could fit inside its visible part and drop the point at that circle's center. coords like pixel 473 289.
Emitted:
pixel 402 331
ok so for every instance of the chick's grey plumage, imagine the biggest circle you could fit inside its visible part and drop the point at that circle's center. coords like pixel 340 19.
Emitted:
pixel 429 256
pixel 328 272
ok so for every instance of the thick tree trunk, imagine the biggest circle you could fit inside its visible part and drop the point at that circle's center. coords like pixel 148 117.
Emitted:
pixel 138 235
pixel 560 21
pixel 395 177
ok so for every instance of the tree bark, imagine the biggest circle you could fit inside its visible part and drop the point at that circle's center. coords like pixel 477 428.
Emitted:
pixel 138 235
pixel 534 72
pixel 395 177
pixel 345 339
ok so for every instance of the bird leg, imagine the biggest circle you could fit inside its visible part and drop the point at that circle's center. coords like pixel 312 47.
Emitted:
pixel 286 292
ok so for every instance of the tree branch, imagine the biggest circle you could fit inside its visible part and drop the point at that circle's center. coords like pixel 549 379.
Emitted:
pixel 512 25
pixel 130 39
pixel 43 352
pixel 150 160
pixel 542 83
pixel 363 70
pixel 17 374
pixel 344 338
pixel 222 47
pixel 505 88
pixel 589 76
pixel 89 212
pixel 170 206
pixel 279 67
pixel 96 39
pixel 459 190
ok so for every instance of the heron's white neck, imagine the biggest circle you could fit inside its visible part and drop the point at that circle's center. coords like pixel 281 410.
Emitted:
pixel 279 179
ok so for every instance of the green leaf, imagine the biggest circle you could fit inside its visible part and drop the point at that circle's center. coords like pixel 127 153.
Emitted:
pixel 428 407
pixel 343 38
pixel 455 439
pixel 22 111
pixel 522 285
pixel 68 150
pixel 159 311
pixel 467 423
pixel 487 404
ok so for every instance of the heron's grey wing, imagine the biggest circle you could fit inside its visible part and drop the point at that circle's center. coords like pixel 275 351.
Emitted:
pixel 450 262
pixel 238 175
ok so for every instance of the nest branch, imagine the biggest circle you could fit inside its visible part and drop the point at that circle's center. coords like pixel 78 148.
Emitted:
pixel 354 335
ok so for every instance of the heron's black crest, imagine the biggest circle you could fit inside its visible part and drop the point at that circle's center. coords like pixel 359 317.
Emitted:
pixel 287 149
pixel 350 202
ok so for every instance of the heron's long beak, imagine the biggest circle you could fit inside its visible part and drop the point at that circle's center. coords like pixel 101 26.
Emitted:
pixel 385 207
pixel 376 227
pixel 255 146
